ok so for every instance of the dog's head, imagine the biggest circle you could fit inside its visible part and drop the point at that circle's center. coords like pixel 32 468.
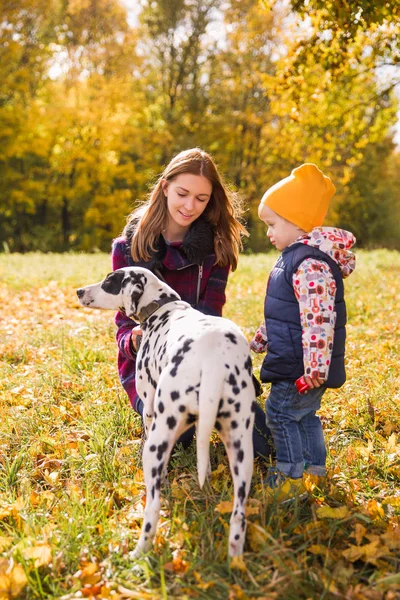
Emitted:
pixel 129 289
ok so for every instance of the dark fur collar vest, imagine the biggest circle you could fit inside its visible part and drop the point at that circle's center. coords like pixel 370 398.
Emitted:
pixel 197 244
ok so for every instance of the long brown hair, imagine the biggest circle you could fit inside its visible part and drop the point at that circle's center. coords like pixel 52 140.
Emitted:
pixel 222 211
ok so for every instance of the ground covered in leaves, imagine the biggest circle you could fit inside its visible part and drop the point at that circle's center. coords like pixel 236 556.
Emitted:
pixel 71 481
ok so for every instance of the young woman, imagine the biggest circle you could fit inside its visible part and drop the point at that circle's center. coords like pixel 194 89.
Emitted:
pixel 189 235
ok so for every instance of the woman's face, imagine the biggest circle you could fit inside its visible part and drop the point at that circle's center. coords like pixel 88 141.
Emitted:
pixel 187 197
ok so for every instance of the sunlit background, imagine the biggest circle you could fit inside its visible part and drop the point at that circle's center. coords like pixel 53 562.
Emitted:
pixel 97 96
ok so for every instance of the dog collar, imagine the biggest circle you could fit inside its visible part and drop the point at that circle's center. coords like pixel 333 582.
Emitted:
pixel 151 308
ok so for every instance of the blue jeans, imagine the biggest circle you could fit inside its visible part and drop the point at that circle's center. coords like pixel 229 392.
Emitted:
pixel 296 429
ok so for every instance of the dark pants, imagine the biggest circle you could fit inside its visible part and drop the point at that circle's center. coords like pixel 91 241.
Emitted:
pixel 262 437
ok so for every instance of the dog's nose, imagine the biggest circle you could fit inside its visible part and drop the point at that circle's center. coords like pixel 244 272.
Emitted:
pixel 80 292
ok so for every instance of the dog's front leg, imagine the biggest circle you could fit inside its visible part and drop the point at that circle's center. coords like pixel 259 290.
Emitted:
pixel 146 393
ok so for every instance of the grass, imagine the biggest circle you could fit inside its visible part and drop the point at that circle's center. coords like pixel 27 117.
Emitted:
pixel 71 482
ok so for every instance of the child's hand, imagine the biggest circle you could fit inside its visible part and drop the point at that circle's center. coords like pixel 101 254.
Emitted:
pixel 314 382
pixel 259 343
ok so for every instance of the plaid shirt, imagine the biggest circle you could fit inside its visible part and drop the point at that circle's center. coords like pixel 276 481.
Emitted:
pixel 183 276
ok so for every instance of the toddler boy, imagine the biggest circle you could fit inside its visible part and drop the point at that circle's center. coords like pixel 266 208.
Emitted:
pixel 305 317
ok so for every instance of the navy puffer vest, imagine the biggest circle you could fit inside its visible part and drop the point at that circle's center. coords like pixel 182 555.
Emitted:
pixel 284 358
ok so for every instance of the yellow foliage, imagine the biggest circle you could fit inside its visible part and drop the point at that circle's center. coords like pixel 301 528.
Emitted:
pixel 12 580
pixel 328 512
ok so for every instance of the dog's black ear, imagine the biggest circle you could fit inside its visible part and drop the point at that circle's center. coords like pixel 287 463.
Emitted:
pixel 112 283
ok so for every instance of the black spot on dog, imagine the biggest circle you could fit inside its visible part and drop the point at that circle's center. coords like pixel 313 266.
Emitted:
pixel 240 456
pixel 236 470
pixel 153 427
pixel 230 401
pixel 175 396
pixel 244 384
pixel 237 407
pixel 113 283
pixel 152 448
pixel 242 492
pixel 224 414
pixel 169 297
pixel 161 407
pixel 182 408
pixel 253 406
pixel 191 418
pixel 248 365
pixel 237 444
pixel 178 358
pixel 154 472
pixel 220 405
pixel 218 426
pixel 231 337
pixel 171 422
pixel 152 492
pixel 150 379
pixel 148 527
pixel 161 449
pixel 237 536
pixel 234 424
pixel 247 423
pixel 237 370
pixel 233 382
pixel 160 468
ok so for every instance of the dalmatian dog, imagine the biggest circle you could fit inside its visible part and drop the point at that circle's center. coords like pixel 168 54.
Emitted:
pixel 190 368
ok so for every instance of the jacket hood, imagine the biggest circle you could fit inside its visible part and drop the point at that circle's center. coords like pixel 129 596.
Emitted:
pixel 336 243
pixel 197 244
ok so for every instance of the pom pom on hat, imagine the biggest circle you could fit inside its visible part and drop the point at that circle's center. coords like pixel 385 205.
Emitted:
pixel 301 198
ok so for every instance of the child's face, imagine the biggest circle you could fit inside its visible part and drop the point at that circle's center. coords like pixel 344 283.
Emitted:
pixel 281 233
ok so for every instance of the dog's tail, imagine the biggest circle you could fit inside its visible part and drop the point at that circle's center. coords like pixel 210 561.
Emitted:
pixel 210 392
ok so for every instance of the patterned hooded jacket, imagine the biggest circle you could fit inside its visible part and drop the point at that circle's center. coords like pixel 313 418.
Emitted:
pixel 188 267
pixel 306 329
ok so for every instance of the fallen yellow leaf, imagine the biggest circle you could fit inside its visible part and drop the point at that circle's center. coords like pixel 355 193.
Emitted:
pixel 393 501
pixel 40 554
pixel 256 536
pixel 375 509
pixel 12 580
pixel 224 507
pixel 318 549
pixel 327 512
pixel 237 562
pixel 367 553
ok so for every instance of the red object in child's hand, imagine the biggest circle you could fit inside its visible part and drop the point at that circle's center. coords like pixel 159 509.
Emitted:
pixel 301 385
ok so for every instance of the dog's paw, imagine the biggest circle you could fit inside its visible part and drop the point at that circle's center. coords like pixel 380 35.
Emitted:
pixel 136 554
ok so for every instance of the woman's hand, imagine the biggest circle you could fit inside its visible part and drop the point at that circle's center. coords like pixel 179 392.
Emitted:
pixel 136 337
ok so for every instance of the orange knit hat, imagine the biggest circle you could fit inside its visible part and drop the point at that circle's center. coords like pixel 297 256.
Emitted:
pixel 302 198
